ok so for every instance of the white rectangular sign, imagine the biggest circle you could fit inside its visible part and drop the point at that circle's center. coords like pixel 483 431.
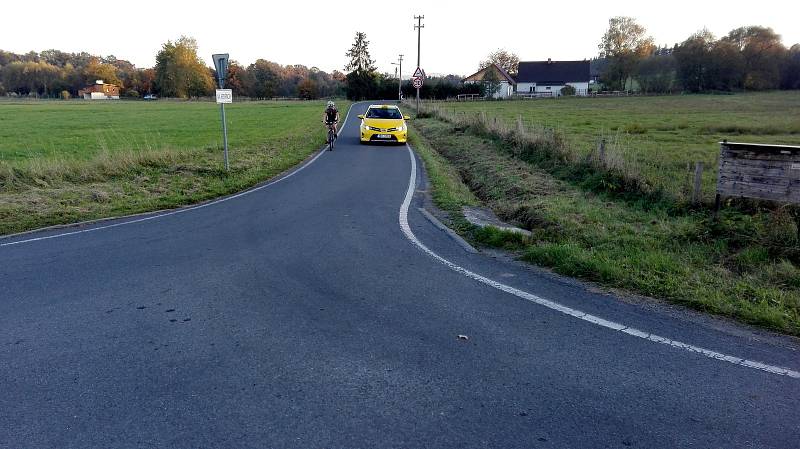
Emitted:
pixel 224 96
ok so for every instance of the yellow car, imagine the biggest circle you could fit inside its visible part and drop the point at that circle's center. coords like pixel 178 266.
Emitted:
pixel 383 123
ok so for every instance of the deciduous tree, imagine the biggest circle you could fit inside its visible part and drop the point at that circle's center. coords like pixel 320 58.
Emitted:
pixel 504 59
pixel 180 72
pixel 625 44
pixel 763 54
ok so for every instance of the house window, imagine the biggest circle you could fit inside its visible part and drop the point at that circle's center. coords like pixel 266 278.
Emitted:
pixel 531 89
pixel 548 87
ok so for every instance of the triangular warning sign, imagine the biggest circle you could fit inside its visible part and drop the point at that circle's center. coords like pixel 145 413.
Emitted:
pixel 419 73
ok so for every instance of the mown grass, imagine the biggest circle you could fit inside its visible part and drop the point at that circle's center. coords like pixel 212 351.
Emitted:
pixel 74 161
pixel 743 266
pixel 657 136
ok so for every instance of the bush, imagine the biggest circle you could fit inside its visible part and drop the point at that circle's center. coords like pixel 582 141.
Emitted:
pixel 132 93
pixel 64 95
pixel 568 90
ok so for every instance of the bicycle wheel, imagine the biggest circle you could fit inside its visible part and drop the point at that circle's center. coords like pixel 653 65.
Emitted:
pixel 331 139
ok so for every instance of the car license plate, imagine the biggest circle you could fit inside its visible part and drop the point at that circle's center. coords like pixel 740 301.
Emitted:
pixel 384 136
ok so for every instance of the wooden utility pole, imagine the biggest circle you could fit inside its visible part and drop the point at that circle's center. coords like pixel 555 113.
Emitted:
pixel 419 26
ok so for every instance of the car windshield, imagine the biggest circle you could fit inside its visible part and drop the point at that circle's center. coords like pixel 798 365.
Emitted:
pixel 385 113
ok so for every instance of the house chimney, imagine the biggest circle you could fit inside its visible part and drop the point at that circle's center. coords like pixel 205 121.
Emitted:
pixel 549 61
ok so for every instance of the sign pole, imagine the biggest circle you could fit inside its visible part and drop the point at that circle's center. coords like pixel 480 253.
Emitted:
pixel 221 65
pixel 224 132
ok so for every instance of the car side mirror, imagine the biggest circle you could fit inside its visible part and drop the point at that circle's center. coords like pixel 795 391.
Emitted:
pixel 406 117
pixel 361 116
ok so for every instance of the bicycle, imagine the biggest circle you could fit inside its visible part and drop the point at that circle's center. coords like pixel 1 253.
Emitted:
pixel 331 136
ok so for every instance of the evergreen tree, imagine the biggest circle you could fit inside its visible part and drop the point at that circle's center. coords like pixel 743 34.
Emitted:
pixel 362 79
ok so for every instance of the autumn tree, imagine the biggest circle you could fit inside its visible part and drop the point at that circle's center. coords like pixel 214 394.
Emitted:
pixel 693 60
pixel 504 59
pixel 656 73
pixel 97 70
pixel 763 53
pixel 307 89
pixel 625 44
pixel 790 78
pixel 266 78
pixel 180 72
pixel 237 79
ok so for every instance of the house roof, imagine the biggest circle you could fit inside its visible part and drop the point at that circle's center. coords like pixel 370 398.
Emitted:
pixel 553 72
pixel 502 74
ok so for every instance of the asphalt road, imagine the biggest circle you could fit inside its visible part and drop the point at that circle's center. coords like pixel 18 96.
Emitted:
pixel 302 315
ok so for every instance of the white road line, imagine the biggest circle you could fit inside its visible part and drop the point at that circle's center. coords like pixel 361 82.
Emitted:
pixel 568 310
pixel 187 209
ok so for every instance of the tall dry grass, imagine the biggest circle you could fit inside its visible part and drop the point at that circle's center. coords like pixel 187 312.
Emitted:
pixel 105 165
pixel 609 161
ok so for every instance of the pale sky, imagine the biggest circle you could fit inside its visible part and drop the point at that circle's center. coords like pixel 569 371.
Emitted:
pixel 457 34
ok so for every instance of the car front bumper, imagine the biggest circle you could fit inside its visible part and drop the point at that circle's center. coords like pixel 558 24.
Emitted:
pixel 368 135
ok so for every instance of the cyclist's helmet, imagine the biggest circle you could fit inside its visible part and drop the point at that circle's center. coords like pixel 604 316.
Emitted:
pixel 331 105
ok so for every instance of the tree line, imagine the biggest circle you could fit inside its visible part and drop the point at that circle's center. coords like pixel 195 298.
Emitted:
pixel 179 72
pixel 747 58
pixel 363 81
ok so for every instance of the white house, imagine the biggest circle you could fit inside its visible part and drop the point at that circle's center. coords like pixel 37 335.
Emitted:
pixel 505 87
pixel 547 78
pixel 100 91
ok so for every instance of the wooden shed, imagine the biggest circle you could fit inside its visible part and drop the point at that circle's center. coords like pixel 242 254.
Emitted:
pixel 759 171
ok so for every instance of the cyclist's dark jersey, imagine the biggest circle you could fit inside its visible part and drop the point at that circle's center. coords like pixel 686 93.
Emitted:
pixel 330 114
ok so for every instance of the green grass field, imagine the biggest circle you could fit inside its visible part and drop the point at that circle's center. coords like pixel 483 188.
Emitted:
pixel 62 162
pixel 81 130
pixel 657 136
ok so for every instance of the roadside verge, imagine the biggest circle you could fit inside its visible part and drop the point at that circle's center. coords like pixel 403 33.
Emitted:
pixel 585 235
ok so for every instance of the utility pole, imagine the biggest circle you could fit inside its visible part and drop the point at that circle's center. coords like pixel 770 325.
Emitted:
pixel 419 26
pixel 400 81
pixel 399 78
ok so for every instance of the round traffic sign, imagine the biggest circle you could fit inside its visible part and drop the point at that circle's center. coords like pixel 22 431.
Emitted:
pixel 417 83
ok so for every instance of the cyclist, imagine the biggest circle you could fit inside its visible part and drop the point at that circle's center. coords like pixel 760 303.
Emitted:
pixel 331 117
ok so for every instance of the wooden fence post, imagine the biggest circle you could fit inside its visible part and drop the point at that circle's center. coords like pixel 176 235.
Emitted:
pixel 697 191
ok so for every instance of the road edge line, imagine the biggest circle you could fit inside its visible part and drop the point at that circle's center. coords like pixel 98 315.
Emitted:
pixel 596 320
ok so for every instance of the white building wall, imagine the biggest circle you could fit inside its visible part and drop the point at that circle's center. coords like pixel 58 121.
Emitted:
pixel 581 88
pixel 504 90
pixel 525 88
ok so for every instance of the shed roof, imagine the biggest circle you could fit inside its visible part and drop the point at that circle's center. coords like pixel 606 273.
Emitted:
pixel 553 72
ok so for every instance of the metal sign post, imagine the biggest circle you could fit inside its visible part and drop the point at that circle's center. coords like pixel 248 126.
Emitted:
pixel 417 80
pixel 223 96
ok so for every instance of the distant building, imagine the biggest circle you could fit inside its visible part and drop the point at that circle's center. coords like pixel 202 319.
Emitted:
pixel 506 86
pixel 100 91
pixel 549 77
